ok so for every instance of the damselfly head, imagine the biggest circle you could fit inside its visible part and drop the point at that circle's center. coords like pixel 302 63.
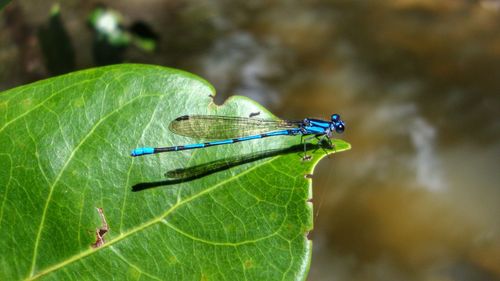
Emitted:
pixel 335 118
pixel 339 127
pixel 338 124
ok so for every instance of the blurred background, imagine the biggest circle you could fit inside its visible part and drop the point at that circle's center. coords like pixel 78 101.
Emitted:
pixel 416 81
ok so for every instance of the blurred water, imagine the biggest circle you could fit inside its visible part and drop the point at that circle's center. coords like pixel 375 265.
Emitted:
pixel 418 83
pixel 240 58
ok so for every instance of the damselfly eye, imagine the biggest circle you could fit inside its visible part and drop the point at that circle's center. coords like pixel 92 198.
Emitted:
pixel 335 118
pixel 339 128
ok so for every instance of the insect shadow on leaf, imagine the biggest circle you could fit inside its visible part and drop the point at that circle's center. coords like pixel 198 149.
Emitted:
pixel 199 171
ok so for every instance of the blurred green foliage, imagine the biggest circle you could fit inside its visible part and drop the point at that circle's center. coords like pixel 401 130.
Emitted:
pixel 3 3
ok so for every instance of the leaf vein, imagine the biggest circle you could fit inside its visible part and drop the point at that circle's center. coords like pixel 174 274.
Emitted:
pixel 143 226
pixel 133 265
pixel 42 103
pixel 7 188
pixel 56 181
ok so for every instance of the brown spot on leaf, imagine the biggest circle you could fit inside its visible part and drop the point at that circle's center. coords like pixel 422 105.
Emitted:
pixel 100 232
pixel 309 235
pixel 248 264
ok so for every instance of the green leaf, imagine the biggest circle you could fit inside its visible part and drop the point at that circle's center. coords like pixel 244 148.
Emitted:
pixel 64 151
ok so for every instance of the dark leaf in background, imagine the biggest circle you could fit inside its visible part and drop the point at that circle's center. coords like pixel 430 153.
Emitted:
pixel 56 46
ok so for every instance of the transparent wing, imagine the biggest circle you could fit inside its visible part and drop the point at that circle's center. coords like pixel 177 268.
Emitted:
pixel 223 127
